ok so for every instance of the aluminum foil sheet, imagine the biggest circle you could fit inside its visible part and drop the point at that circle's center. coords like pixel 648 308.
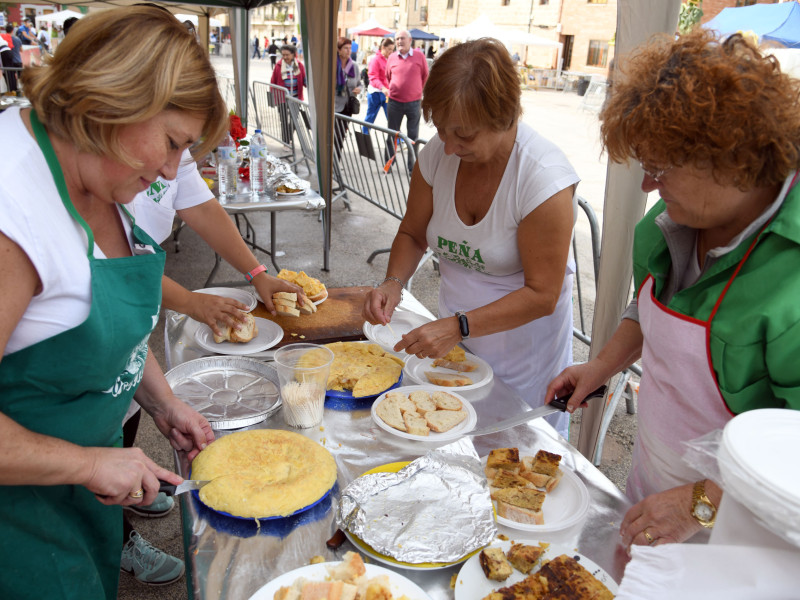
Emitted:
pixel 230 391
pixel 436 509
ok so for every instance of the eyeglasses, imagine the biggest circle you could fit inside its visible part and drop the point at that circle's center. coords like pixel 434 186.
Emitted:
pixel 656 174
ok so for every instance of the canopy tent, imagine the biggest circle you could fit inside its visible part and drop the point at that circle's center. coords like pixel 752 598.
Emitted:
pixel 57 18
pixel 484 27
pixel 637 20
pixel 212 22
pixel 418 34
pixel 376 32
pixel 369 25
pixel 770 22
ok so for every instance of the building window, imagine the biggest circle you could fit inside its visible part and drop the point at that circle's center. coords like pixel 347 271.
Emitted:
pixel 597 1
pixel 449 4
pixel 598 53
pixel 505 2
pixel 544 2
pixel 349 6
pixel 416 5
pixel 745 2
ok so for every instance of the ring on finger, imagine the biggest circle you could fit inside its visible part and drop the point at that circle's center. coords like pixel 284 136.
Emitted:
pixel 650 539
pixel 137 494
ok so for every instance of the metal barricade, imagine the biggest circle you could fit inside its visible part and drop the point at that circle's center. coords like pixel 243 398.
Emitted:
pixel 227 88
pixel 273 117
pixel 595 95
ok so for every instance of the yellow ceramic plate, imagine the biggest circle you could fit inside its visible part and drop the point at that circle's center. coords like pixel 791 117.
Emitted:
pixel 394 468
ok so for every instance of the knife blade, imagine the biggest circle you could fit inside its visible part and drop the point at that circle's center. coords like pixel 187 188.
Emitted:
pixel 559 404
pixel 188 485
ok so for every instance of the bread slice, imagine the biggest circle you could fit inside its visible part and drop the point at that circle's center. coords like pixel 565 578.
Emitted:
pixel 320 296
pixel 542 470
pixel 403 401
pixel 447 379
pixel 350 569
pixel 246 332
pixel 306 309
pixel 284 296
pixel 465 366
pixel 389 413
pixel 322 590
pixel 287 593
pixel 283 302
pixel 423 402
pixel 507 479
pixel 524 557
pixel 286 311
pixel 445 401
pixel 494 564
pixel 444 420
pixel 415 424
pixel 523 505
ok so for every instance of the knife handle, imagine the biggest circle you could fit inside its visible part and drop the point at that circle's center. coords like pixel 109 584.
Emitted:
pixel 561 402
pixel 167 488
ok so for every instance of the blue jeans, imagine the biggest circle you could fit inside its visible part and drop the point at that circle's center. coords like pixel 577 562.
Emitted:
pixel 375 101
pixel 395 113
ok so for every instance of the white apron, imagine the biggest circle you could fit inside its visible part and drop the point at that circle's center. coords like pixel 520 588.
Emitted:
pixel 680 399
pixel 527 358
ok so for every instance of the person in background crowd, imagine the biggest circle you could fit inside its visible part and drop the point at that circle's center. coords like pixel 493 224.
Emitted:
pixel 290 74
pixel 406 72
pixel 431 52
pixel 346 85
pixel 378 90
pixel 69 23
pixel 716 263
pixel 24 33
pixel 294 40
pixel 496 203
pixel 256 49
pixel 273 53
pixel 354 50
pixel 7 60
pixel 90 143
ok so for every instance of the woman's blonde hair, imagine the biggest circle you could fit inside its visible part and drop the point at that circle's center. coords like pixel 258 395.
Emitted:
pixel 120 67
pixel 477 81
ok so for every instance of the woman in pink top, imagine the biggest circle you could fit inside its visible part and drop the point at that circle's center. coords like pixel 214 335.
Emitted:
pixel 378 90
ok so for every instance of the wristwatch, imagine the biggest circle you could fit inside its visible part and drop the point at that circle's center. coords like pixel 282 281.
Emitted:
pixel 463 324
pixel 703 510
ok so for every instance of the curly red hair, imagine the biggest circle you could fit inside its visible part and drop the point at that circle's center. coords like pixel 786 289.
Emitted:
pixel 698 101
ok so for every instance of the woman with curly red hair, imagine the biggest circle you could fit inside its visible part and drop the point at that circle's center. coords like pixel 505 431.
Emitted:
pixel 716 321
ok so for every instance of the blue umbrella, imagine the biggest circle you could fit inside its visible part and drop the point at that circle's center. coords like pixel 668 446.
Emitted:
pixel 418 34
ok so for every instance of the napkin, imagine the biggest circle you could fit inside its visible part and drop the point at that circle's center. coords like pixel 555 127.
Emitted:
pixel 700 572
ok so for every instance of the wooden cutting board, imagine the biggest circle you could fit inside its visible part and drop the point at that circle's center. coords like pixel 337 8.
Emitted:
pixel 338 318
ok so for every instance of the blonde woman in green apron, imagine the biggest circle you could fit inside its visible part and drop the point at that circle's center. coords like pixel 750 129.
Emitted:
pixel 716 264
pixel 80 290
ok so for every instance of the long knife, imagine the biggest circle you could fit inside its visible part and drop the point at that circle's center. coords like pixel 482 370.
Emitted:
pixel 559 404
pixel 188 485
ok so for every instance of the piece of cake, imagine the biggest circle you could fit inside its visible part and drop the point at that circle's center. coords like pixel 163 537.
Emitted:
pixel 524 556
pixel 494 564
pixel 523 505
pixel 502 458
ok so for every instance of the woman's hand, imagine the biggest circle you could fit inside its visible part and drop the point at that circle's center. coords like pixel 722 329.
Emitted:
pixel 215 310
pixel 432 340
pixel 268 285
pixel 356 91
pixel 664 517
pixel 380 303
pixel 186 429
pixel 117 474
pixel 579 380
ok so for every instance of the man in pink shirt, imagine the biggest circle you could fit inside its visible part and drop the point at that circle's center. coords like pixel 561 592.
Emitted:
pixel 406 72
pixel 378 89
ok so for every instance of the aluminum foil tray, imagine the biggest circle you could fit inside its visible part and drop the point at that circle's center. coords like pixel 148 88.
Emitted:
pixel 230 391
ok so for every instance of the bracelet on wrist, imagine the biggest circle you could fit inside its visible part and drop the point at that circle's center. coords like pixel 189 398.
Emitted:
pixel 251 274
pixel 395 279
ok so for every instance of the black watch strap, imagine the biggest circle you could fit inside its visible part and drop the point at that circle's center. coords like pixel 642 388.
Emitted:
pixel 463 324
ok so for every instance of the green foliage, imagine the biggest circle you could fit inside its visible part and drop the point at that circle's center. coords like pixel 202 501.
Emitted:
pixel 691 13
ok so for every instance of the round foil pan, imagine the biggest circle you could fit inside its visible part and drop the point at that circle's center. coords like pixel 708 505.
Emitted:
pixel 230 391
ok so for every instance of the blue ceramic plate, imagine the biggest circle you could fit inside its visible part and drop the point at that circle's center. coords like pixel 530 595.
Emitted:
pixel 348 395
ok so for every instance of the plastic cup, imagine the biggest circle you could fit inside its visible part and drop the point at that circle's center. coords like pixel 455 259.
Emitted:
pixel 303 371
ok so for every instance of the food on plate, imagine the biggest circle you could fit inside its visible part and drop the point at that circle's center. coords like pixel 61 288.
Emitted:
pixel 287 189
pixel 346 581
pixel 523 505
pixel 313 288
pixel 542 470
pixel 494 564
pixel 246 332
pixel 263 473
pixel 456 360
pixel 421 412
pixel 289 305
pixel 363 368
pixel 502 458
pixel 524 556
pixel 505 479
pixel 447 379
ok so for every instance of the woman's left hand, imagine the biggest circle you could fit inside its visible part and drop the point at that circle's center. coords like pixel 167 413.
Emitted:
pixel 268 285
pixel 664 517
pixel 186 429
pixel 432 340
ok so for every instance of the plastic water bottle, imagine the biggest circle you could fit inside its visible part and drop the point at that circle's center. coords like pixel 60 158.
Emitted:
pixel 227 167
pixel 258 163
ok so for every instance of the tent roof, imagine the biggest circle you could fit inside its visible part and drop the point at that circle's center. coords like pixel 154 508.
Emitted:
pixel 770 22
pixel 376 32
pixel 368 25
pixel 418 34
pixel 483 27
pixel 58 17
pixel 193 18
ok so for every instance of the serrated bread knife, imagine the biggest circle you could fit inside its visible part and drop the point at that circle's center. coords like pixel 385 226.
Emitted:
pixel 559 404
pixel 187 486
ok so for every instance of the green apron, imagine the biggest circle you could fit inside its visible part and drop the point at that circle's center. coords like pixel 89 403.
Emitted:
pixel 60 541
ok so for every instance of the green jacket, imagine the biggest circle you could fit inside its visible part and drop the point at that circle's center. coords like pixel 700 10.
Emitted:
pixel 755 335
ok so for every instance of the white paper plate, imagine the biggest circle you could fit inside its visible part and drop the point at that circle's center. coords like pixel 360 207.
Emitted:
pixel 290 194
pixel 269 334
pixel 416 367
pixel 241 295
pixel 472 583
pixel 400 585
pixel 388 560
pixel 456 432
pixel 317 303
pixel 402 322
pixel 564 507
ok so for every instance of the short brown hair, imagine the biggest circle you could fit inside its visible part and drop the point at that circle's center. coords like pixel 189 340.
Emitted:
pixel 120 67
pixel 386 42
pixel 343 41
pixel 701 102
pixel 477 81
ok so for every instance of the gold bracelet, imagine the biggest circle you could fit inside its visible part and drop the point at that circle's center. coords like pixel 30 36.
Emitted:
pixel 392 278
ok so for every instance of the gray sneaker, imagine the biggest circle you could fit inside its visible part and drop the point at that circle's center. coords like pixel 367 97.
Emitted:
pixel 160 507
pixel 149 564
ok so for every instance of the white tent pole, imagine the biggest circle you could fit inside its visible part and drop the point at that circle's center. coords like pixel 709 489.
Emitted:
pixel 239 18
pixel 637 21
